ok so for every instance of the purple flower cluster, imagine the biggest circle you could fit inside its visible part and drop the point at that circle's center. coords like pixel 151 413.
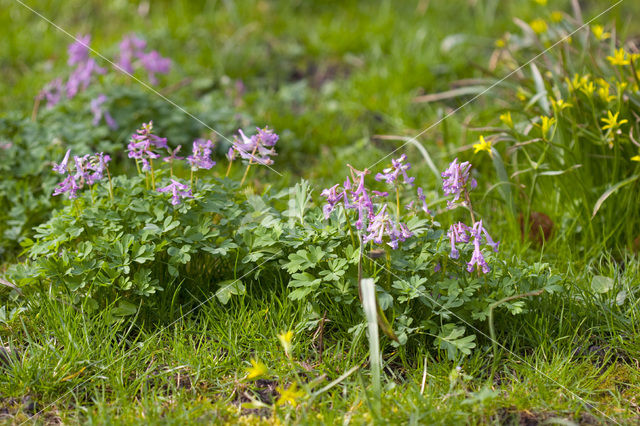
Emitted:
pixel 142 143
pixel 133 55
pixel 85 67
pixel 456 181
pixel 356 196
pixel 382 224
pixel 257 149
pixel 422 199
pixel 178 191
pixel 201 156
pixel 99 111
pixel 461 233
pixel 398 167
pixel 89 169
pixel 80 77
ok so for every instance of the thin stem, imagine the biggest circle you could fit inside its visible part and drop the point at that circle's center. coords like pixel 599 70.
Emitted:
pixel 191 179
pixel 398 202
pixel 36 106
pixel 110 184
pixel 228 169
pixel 246 172
pixel 153 176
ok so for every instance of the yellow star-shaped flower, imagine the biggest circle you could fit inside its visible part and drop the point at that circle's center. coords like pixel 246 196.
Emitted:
pixel 290 395
pixel 635 158
pixel 545 125
pixel 539 26
pixel 557 16
pixel 285 339
pixel 599 32
pixel 257 369
pixel 619 58
pixel 506 119
pixel 612 122
pixel 483 146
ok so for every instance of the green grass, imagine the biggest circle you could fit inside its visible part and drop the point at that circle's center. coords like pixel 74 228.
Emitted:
pixel 328 76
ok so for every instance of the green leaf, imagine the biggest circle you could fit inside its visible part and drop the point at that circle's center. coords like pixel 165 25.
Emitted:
pixel 610 191
pixel 124 309
pixel 229 288
pixel 601 284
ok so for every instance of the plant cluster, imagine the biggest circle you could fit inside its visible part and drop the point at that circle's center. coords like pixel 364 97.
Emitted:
pixel 571 130
pixel 124 241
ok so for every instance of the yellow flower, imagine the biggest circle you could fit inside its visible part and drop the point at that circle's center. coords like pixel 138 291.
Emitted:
pixel 588 89
pixel 621 85
pixel 577 81
pixel 619 58
pixel 257 369
pixel 634 56
pixel 483 146
pixel 612 121
pixel 560 104
pixel 541 2
pixel 285 339
pixel 500 43
pixel 557 16
pixel 521 94
pixel 290 395
pixel 538 26
pixel 599 32
pixel 506 119
pixel 546 123
pixel 635 158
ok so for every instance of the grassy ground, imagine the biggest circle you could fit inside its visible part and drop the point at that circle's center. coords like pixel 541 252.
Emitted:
pixel 329 76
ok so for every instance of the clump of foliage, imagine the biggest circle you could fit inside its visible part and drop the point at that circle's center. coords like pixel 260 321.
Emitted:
pixel 571 130
pixel 175 224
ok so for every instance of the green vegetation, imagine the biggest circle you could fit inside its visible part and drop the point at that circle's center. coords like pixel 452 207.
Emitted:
pixel 236 296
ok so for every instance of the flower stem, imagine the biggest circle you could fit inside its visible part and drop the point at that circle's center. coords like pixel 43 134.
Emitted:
pixel 246 172
pixel 153 176
pixel 110 184
pixel 228 169
pixel 398 202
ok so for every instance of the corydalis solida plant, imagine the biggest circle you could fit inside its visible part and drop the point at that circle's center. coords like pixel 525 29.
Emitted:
pixel 258 149
pixel 88 170
pixel 373 218
pixel 456 181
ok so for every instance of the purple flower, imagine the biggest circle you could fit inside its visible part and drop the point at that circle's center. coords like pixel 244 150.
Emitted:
pixel 154 63
pixel 68 185
pixel 98 164
pixel 391 174
pixel 142 143
pixel 81 77
pixel 62 167
pixel 201 157
pixel 130 47
pixel 99 112
pixel 52 92
pixel 79 50
pixel 455 181
pixel 461 233
pixel 362 200
pixel 173 155
pixel 88 170
pixel 458 233
pixel 423 199
pixel 382 225
pixel 178 191
pixel 477 259
pixel 257 149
